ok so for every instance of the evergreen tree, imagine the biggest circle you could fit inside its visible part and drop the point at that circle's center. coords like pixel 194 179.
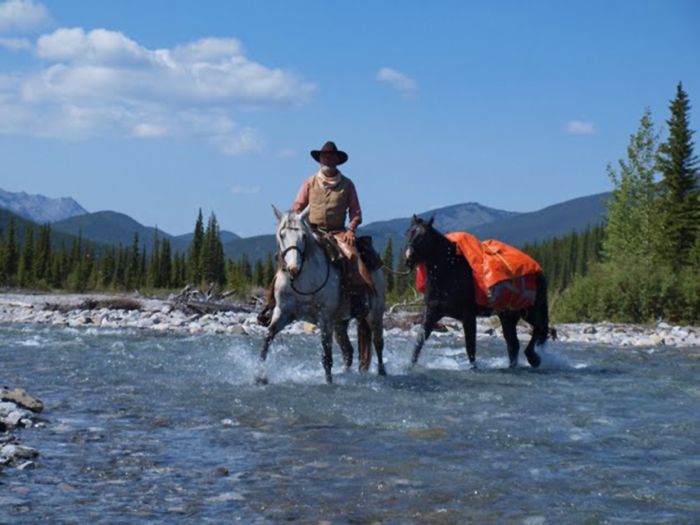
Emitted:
pixel 259 273
pixel 133 263
pixel 165 269
pixel 42 261
pixel 388 260
pixel 11 259
pixel 679 185
pixel 154 266
pixel 194 254
pixel 212 254
pixel 26 262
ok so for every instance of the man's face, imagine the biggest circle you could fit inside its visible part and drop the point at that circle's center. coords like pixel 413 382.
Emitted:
pixel 328 159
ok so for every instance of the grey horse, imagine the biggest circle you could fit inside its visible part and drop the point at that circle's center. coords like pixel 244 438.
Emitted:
pixel 308 288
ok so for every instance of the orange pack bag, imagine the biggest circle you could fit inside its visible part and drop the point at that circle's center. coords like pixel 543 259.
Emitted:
pixel 505 278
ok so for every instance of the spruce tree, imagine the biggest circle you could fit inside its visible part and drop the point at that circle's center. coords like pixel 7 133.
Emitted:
pixel 154 265
pixel 679 186
pixel 11 260
pixel 42 261
pixel 194 254
pixel 388 260
pixel 26 262
pixel 165 268
pixel 212 254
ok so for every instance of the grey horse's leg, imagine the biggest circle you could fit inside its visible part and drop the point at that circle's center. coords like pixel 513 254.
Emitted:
pixel 341 335
pixel 509 323
pixel 431 317
pixel 279 321
pixel 469 326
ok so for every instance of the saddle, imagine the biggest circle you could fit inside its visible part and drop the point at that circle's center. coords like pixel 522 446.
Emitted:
pixel 355 262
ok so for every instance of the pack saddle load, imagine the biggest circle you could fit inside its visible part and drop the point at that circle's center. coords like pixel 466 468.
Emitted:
pixel 504 277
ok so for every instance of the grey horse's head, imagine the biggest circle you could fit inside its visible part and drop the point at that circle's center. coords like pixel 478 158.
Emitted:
pixel 293 239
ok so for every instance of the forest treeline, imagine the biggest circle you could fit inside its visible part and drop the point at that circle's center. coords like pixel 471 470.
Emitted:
pixel 641 265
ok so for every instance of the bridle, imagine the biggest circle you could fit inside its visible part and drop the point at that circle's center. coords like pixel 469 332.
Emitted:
pixel 302 256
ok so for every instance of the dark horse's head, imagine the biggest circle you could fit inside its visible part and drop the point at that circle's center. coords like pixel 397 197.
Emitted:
pixel 421 240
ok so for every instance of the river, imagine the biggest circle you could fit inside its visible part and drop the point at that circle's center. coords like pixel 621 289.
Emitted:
pixel 161 428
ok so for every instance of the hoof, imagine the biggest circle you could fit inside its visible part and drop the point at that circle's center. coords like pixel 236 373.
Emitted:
pixel 533 359
pixel 472 365
pixel 261 380
pixel 381 371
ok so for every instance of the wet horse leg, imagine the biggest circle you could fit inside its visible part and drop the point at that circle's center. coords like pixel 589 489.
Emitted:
pixel 539 336
pixel 469 326
pixel 341 335
pixel 327 346
pixel 432 316
pixel 509 323
pixel 278 322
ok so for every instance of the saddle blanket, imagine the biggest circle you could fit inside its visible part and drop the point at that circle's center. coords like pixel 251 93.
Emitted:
pixel 504 277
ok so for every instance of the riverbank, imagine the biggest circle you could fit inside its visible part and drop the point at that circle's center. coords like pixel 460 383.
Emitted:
pixel 129 311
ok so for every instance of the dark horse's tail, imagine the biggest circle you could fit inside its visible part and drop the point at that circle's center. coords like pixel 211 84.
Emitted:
pixel 540 312
pixel 364 343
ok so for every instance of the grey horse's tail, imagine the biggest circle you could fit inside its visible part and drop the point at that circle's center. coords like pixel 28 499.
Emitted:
pixel 364 343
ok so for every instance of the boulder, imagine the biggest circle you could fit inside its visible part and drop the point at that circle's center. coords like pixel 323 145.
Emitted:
pixel 21 398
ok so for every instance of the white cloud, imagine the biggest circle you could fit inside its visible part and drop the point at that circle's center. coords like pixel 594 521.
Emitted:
pixel 245 190
pixel 100 82
pixel 580 127
pixel 15 44
pixel 22 15
pixel 398 81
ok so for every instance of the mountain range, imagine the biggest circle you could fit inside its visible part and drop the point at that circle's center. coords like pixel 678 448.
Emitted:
pixel 110 227
pixel 39 208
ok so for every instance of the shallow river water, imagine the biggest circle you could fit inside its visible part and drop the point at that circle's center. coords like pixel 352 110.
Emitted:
pixel 146 428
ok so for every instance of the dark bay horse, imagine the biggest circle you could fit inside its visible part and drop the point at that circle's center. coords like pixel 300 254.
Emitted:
pixel 449 292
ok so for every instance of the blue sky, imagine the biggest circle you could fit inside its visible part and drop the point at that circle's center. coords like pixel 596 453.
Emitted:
pixel 158 108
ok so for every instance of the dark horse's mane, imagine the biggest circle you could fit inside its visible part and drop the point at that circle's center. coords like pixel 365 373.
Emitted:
pixel 450 292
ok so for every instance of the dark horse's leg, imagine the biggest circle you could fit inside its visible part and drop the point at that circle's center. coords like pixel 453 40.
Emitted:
pixel 279 321
pixel 327 345
pixel 469 326
pixel 538 317
pixel 509 322
pixel 431 317
pixel 341 335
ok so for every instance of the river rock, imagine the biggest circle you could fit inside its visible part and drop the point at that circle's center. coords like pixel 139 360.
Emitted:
pixel 21 398
pixel 14 452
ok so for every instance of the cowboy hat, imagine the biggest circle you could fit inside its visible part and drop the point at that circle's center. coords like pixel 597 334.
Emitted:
pixel 329 147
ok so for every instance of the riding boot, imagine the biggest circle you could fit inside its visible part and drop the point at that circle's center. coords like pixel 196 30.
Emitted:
pixel 265 316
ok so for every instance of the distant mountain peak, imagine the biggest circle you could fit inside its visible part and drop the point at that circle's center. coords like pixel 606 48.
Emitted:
pixel 39 208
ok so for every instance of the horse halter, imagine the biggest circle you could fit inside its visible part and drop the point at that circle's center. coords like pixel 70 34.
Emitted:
pixel 302 255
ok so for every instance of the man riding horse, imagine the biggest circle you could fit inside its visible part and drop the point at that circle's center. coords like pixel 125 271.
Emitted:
pixel 331 197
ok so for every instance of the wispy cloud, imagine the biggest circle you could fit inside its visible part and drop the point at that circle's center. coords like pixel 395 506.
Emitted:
pixel 22 15
pixel 15 44
pixel 102 83
pixel 245 190
pixel 398 81
pixel 580 127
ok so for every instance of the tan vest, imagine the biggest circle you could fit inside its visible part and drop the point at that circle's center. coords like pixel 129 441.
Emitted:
pixel 328 206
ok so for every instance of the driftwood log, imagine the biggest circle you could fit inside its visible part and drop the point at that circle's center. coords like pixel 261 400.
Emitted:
pixel 193 300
